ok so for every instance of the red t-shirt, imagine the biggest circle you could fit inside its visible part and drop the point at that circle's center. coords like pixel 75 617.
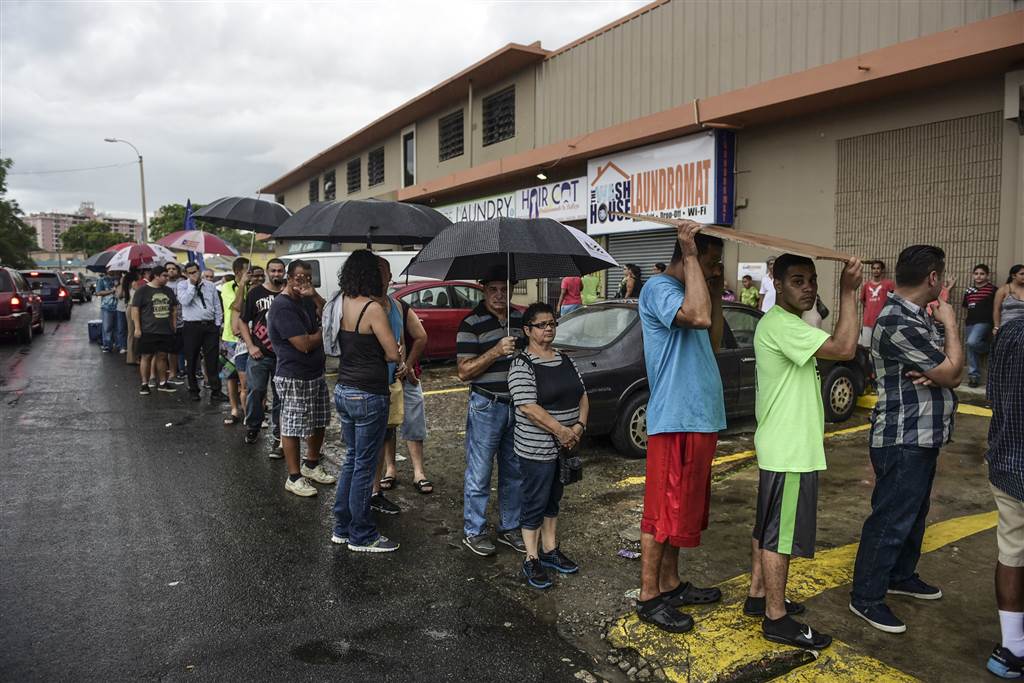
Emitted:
pixel 874 295
pixel 573 287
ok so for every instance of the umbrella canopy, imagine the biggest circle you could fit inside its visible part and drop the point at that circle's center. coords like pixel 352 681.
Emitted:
pixel 97 263
pixel 244 213
pixel 372 221
pixel 527 247
pixel 138 255
pixel 198 241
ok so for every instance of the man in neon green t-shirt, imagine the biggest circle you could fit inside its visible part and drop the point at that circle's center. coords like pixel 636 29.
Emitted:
pixel 790 438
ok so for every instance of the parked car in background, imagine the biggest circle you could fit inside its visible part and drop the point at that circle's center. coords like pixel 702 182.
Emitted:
pixel 76 286
pixel 21 309
pixel 325 266
pixel 605 341
pixel 51 288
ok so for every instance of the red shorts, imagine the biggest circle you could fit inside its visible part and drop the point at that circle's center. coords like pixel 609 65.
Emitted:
pixel 678 491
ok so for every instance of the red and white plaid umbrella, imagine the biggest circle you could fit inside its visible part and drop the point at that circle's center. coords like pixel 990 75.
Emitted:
pixel 198 241
pixel 137 255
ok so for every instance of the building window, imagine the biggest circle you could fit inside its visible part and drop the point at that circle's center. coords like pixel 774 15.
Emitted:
pixel 375 167
pixel 408 158
pixel 329 186
pixel 314 190
pixel 499 116
pixel 450 131
pixel 354 176
pixel 279 198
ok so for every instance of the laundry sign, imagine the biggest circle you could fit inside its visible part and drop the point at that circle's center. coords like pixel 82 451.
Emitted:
pixel 691 177
pixel 564 200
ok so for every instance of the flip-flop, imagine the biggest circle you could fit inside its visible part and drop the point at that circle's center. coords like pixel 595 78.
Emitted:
pixel 232 420
pixel 688 594
pixel 387 483
pixel 424 484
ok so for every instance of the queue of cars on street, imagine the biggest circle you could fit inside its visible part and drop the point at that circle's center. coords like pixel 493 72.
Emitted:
pixel 27 297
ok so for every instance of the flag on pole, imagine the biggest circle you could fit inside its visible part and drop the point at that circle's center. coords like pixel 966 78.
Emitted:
pixel 190 224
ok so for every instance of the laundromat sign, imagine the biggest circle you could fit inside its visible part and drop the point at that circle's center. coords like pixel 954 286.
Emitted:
pixel 565 200
pixel 691 177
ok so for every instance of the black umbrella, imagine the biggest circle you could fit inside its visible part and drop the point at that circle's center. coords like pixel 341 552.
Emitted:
pixel 372 221
pixel 244 213
pixel 509 249
pixel 97 263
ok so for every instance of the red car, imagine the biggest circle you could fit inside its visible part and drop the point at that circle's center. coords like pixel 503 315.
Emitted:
pixel 442 306
pixel 21 309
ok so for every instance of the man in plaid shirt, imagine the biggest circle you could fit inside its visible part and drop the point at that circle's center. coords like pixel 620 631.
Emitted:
pixel 917 370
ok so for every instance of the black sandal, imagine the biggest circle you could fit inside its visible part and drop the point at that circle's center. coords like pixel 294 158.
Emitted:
pixel 424 484
pixel 658 612
pixel 688 594
pixel 387 483
pixel 232 420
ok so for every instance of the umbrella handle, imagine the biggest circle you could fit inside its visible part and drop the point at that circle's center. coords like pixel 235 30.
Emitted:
pixel 508 294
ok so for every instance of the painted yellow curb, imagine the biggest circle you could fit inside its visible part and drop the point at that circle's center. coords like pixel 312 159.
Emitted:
pixel 869 401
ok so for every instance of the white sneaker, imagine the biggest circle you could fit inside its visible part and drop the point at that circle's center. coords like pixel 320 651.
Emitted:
pixel 300 487
pixel 317 474
pixel 339 540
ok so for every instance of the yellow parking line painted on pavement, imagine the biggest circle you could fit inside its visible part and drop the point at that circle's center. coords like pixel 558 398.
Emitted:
pixel 742 455
pixel 724 640
pixel 964 408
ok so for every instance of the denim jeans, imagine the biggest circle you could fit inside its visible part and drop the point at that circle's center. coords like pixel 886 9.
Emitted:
pixel 121 338
pixel 109 328
pixel 364 419
pixel 890 543
pixel 568 308
pixel 259 375
pixel 489 430
pixel 977 344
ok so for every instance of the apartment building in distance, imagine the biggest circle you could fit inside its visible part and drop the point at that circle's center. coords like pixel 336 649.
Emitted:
pixel 51 225
pixel 862 126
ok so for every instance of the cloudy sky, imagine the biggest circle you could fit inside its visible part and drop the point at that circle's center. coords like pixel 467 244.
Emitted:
pixel 221 98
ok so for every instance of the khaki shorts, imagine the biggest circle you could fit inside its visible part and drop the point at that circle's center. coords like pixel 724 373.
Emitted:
pixel 1010 532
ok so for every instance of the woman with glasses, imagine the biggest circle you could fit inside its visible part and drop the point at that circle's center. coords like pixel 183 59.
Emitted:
pixel 551 412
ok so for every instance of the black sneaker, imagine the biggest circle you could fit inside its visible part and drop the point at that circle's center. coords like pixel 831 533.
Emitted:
pixel 559 562
pixel 754 607
pixel 916 588
pixel 513 539
pixel 789 631
pixel 480 544
pixel 381 504
pixel 658 612
pixel 144 390
pixel 252 436
pixel 535 575
pixel 165 387
pixel 1005 664
pixel 880 616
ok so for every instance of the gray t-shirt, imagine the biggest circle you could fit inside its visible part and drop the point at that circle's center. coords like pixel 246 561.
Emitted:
pixel 155 305
pixel 531 441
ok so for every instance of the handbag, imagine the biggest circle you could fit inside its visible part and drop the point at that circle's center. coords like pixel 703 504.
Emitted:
pixel 570 465
pixel 396 404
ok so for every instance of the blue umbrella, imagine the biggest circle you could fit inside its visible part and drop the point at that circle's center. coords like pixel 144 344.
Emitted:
pixel 190 224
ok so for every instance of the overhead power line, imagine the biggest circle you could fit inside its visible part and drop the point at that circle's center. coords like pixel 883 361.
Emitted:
pixel 74 170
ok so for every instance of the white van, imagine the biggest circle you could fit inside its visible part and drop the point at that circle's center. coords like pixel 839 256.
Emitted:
pixel 326 266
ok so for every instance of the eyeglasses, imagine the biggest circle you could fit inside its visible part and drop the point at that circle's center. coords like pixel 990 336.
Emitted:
pixel 546 325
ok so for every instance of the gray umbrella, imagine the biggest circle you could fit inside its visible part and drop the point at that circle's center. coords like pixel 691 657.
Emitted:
pixel 244 213
pixel 372 221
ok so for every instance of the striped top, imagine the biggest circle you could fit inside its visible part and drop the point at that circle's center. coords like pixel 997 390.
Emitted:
pixel 531 441
pixel 1006 430
pixel 478 333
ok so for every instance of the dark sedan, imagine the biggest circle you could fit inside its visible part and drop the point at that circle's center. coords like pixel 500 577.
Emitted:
pixel 21 310
pixel 50 287
pixel 606 343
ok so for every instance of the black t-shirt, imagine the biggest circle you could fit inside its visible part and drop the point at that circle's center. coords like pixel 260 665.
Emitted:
pixel 254 313
pixel 290 318
pixel 979 303
pixel 155 305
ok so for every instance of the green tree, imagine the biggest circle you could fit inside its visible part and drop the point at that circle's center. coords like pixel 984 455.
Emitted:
pixel 171 218
pixel 90 237
pixel 17 239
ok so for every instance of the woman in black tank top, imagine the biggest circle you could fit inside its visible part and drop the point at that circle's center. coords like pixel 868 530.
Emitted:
pixel 361 399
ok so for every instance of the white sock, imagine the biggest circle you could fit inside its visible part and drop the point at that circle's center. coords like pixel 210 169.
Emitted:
pixel 1012 626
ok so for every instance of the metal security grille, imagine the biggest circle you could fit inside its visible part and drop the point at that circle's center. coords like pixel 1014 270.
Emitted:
pixel 450 136
pixel 644 249
pixel 314 190
pixel 936 183
pixel 375 167
pixel 329 186
pixel 353 176
pixel 499 113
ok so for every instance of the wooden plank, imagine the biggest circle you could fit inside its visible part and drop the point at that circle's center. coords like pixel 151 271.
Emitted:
pixel 753 239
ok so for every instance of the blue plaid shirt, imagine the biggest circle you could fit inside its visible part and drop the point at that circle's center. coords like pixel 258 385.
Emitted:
pixel 908 414
pixel 1006 431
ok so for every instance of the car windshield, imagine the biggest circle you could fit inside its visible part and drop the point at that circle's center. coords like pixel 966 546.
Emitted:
pixel 594 328
pixel 6 284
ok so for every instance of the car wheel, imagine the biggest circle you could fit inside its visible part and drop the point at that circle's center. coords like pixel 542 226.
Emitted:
pixel 630 433
pixel 41 327
pixel 839 394
pixel 67 312
pixel 25 334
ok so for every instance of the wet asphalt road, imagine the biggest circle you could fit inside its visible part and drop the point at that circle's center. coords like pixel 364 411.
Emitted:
pixel 134 550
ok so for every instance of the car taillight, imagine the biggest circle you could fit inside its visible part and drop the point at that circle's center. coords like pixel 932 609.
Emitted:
pixel 15 303
pixel 62 293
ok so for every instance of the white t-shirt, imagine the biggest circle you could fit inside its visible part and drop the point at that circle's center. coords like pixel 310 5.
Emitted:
pixel 768 290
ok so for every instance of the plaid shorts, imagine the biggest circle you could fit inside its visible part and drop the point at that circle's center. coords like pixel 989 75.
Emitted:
pixel 305 405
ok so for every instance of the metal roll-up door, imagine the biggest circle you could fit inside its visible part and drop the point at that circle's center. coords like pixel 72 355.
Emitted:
pixel 644 249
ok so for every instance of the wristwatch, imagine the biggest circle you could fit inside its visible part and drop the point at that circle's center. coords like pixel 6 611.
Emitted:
pixel 581 425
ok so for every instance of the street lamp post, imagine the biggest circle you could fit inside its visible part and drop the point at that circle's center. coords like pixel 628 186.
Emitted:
pixel 142 184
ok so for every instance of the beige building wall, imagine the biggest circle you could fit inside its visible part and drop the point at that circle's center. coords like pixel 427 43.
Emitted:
pixel 787 176
pixel 524 139
pixel 428 163
pixel 691 49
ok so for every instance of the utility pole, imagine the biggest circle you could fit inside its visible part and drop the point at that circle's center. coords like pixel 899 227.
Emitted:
pixel 142 185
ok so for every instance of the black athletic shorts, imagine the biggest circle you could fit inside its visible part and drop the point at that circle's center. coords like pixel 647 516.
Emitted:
pixel 787 512
pixel 155 343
